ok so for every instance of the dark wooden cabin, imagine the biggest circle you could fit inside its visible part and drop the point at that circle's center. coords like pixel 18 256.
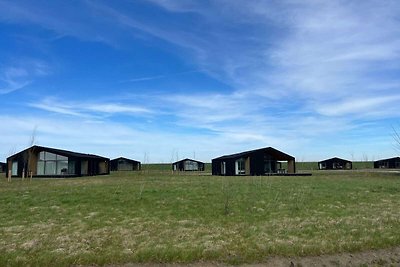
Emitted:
pixel 188 165
pixel 2 167
pixel 392 163
pixel 335 164
pixel 254 162
pixel 125 164
pixel 51 162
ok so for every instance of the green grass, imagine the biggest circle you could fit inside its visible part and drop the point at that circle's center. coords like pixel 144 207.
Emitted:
pixel 155 216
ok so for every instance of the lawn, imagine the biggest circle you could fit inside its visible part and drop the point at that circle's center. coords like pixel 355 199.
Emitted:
pixel 156 216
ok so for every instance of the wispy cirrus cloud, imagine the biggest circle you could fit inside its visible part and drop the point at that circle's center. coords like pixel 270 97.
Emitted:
pixel 373 107
pixel 20 74
pixel 156 77
pixel 89 109
pixel 330 59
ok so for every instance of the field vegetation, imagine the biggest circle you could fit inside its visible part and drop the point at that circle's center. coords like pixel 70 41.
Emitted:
pixel 156 216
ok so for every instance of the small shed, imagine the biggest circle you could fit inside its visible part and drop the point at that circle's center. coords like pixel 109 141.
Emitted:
pixel 254 162
pixel 392 163
pixel 188 165
pixel 335 164
pixel 2 167
pixel 51 162
pixel 125 164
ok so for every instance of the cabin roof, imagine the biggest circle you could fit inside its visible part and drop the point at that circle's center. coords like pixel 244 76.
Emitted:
pixel 131 160
pixel 187 159
pixel 61 152
pixel 335 159
pixel 279 155
pixel 389 159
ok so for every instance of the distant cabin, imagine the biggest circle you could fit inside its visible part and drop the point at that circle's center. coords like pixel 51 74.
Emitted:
pixel 188 165
pixel 254 162
pixel 52 162
pixel 125 164
pixel 335 164
pixel 2 167
pixel 392 163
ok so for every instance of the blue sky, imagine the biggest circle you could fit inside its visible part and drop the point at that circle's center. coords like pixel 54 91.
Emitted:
pixel 160 80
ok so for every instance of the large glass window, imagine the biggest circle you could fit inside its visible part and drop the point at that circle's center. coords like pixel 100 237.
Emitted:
pixel 191 165
pixel 53 164
pixel 240 166
pixel 40 167
pixel 50 167
pixel 62 167
pixel 71 167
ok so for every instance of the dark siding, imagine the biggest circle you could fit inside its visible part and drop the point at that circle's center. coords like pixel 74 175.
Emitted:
pixel 392 163
pixel 2 167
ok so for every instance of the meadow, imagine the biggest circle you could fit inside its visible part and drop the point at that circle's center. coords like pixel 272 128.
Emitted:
pixel 156 216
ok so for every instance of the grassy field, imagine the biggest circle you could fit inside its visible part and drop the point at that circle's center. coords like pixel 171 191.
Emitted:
pixel 156 216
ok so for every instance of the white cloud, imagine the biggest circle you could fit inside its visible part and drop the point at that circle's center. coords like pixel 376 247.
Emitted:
pixel 371 106
pixel 20 74
pixel 88 109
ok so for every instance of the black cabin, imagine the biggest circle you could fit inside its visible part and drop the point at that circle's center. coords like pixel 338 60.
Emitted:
pixel 254 162
pixel 335 164
pixel 50 162
pixel 392 163
pixel 188 165
pixel 124 164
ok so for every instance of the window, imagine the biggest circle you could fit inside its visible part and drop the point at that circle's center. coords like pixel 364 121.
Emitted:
pixel 14 168
pixel 268 166
pixel 223 168
pixel 124 165
pixel 191 165
pixel 337 165
pixel 50 167
pixel 240 166
pixel 53 164
pixel 40 167
pixel 71 167
pixel 62 167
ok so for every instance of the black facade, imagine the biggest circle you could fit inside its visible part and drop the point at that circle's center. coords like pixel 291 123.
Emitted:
pixel 2 167
pixel 188 165
pixel 124 164
pixel 392 163
pixel 335 164
pixel 50 162
pixel 254 162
